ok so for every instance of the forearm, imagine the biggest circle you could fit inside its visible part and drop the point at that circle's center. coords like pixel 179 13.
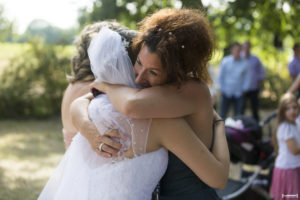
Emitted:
pixel 182 141
pixel 156 102
pixel 123 98
pixel 79 113
pixel 293 147
pixel 220 149
pixel 207 167
pixel 296 150
pixel 295 85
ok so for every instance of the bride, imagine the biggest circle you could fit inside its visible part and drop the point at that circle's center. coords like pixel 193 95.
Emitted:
pixel 134 173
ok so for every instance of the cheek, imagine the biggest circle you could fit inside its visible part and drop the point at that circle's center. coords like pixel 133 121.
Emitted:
pixel 135 69
pixel 290 114
pixel 158 81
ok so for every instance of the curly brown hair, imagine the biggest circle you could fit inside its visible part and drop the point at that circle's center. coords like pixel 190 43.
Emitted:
pixel 183 40
pixel 80 63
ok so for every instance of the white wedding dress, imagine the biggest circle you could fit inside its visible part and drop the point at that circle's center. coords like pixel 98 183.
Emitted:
pixel 84 175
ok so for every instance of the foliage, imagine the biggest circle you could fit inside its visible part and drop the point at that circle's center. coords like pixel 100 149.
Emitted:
pixel 128 12
pixel 50 34
pixel 33 83
pixel 270 20
pixel 6 27
pixel 277 78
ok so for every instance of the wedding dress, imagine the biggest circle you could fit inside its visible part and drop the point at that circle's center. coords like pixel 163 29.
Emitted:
pixel 84 175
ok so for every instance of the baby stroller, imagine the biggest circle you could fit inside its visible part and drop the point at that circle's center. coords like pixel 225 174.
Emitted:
pixel 247 146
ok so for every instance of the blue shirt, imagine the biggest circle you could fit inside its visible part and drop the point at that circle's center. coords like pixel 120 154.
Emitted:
pixel 294 67
pixel 234 76
pixel 256 72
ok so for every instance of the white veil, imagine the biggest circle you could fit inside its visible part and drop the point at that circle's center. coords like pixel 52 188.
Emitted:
pixel 109 59
pixel 110 63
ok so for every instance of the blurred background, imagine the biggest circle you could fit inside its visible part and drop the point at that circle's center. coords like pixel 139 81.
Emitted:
pixel 36 45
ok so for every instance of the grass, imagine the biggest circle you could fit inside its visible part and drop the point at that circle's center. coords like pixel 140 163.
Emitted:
pixel 9 50
pixel 29 152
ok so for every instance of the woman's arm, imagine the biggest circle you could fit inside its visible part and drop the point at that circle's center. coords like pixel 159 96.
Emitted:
pixel 167 101
pixel 292 145
pixel 179 138
pixel 81 120
pixel 295 85
pixel 220 147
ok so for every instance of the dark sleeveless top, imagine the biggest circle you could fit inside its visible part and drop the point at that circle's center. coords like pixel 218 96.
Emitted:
pixel 181 183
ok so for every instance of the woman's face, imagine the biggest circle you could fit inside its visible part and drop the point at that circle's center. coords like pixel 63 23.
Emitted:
pixel 148 69
pixel 292 111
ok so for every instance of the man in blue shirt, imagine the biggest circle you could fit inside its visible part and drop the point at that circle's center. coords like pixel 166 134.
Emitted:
pixel 234 80
pixel 294 66
pixel 257 77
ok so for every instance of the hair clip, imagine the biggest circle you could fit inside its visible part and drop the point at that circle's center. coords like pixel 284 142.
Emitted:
pixel 159 29
pixel 170 33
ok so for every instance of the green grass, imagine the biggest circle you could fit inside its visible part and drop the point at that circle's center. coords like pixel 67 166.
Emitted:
pixel 29 152
pixel 8 50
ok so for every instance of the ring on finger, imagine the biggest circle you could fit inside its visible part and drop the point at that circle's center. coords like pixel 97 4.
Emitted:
pixel 100 146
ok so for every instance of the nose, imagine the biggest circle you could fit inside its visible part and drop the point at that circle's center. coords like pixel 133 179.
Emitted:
pixel 139 76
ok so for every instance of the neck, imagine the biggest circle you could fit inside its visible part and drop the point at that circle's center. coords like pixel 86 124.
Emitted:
pixel 236 57
pixel 292 121
pixel 247 54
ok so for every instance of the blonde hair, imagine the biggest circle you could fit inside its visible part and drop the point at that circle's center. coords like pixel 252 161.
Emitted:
pixel 80 63
pixel 281 116
pixel 183 40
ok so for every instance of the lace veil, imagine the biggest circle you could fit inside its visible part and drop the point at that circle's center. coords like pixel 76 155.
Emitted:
pixel 110 63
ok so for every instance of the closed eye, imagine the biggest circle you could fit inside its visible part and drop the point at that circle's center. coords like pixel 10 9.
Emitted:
pixel 153 73
pixel 139 62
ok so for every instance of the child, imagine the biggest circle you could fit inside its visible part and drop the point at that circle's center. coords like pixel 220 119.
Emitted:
pixel 286 174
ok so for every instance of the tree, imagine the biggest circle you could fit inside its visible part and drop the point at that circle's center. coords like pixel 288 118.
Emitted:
pixel 50 34
pixel 269 20
pixel 128 12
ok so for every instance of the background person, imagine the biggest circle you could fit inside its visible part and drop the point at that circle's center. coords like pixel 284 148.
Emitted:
pixel 257 76
pixel 234 80
pixel 294 65
pixel 286 138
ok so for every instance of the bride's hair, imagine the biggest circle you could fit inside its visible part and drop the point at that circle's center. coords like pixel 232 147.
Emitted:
pixel 80 63
pixel 183 39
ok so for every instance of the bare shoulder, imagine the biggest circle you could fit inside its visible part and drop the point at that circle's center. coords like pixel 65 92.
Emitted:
pixel 197 90
pixel 72 92
pixel 76 90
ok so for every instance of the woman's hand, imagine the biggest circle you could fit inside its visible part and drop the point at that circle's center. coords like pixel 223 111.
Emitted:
pixel 109 148
pixel 82 122
pixel 100 86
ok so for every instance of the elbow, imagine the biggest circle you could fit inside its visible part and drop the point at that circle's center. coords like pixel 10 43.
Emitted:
pixel 128 109
pixel 219 181
pixel 222 179
pixel 222 184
